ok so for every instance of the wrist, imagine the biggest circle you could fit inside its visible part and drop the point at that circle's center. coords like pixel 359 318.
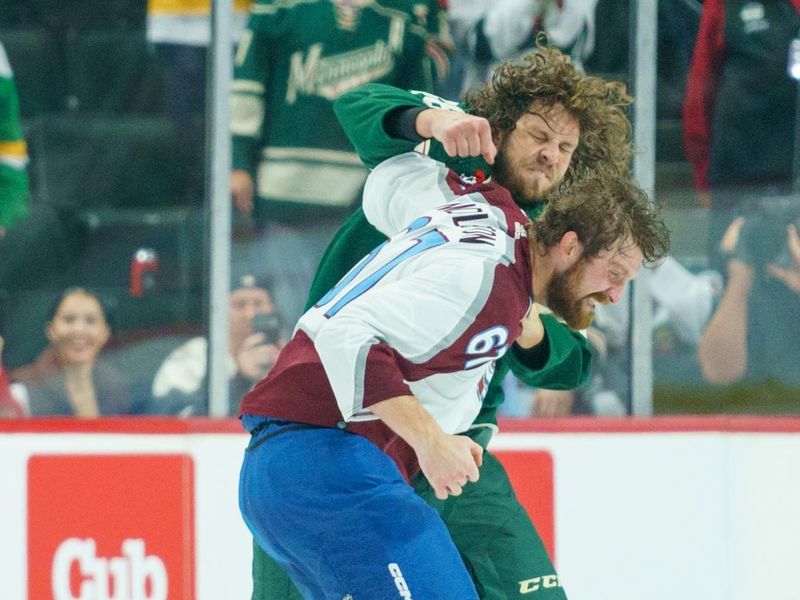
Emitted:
pixel 407 418
pixel 529 340
pixel 424 122
pixel 401 123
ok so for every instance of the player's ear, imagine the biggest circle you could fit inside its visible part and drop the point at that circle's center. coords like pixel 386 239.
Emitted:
pixel 569 246
pixel 497 137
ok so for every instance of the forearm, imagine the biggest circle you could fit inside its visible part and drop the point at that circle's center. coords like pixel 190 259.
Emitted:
pixel 722 350
pixel 562 360
pixel 361 113
pixel 406 416
pixel 448 461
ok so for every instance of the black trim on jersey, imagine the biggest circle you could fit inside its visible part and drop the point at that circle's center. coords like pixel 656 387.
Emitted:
pixel 401 123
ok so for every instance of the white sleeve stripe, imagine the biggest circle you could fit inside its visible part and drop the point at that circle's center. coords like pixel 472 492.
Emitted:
pixel 360 373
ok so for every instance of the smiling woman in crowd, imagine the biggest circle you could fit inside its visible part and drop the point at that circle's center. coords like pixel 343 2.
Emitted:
pixel 68 378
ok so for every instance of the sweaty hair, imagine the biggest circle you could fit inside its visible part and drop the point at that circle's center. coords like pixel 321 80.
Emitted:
pixel 545 77
pixel 606 212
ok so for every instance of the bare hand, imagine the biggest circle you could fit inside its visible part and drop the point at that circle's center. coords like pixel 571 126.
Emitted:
pixel 532 328
pixel 449 462
pixel 704 198
pixel 790 276
pixel 730 238
pixel 255 358
pixel 461 134
pixel 242 190
pixel 553 403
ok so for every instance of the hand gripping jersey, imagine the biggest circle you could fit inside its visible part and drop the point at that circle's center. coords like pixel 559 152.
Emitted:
pixel 426 313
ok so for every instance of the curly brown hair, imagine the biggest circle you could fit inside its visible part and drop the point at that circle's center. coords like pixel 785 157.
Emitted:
pixel 545 77
pixel 604 210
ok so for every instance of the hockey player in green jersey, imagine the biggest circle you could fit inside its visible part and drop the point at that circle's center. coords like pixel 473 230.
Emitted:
pixel 13 152
pixel 541 123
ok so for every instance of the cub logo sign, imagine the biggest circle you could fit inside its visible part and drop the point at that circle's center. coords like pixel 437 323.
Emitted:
pixel 111 527
pixel 531 474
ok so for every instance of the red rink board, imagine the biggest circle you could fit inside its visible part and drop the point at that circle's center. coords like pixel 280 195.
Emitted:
pixel 109 526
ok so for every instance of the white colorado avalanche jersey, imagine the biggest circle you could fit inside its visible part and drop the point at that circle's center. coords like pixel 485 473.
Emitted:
pixel 426 313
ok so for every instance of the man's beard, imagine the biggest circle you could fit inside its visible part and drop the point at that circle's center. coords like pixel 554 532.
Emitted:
pixel 564 301
pixel 506 175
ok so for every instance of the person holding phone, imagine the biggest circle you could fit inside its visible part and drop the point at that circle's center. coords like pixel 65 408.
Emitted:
pixel 255 338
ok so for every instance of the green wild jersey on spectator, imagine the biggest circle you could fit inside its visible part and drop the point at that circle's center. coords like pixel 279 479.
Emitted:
pixel 293 61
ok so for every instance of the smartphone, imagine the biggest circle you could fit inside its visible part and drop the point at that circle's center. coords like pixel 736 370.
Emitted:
pixel 269 325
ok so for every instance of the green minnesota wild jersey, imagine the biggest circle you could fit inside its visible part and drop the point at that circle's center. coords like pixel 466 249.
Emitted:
pixel 562 361
pixel 295 58
pixel 13 151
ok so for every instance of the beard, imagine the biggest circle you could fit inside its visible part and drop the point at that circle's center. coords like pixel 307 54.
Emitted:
pixel 508 175
pixel 564 300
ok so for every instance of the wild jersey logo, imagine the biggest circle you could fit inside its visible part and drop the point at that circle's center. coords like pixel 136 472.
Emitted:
pixel 329 77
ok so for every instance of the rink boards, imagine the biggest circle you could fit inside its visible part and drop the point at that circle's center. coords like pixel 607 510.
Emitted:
pixel 701 508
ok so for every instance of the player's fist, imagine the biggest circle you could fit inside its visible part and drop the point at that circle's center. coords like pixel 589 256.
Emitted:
pixel 449 462
pixel 461 134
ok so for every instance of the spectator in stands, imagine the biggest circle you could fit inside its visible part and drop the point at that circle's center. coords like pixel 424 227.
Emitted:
pixel 9 407
pixel 752 337
pixel 13 152
pixel 254 343
pixel 180 31
pixel 485 32
pixel 294 170
pixel 739 109
pixel 69 378
pixel 789 274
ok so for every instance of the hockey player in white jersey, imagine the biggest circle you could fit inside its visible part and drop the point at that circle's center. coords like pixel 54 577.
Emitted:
pixel 394 360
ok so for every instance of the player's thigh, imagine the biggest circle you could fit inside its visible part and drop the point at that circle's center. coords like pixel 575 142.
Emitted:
pixel 342 521
pixel 496 538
